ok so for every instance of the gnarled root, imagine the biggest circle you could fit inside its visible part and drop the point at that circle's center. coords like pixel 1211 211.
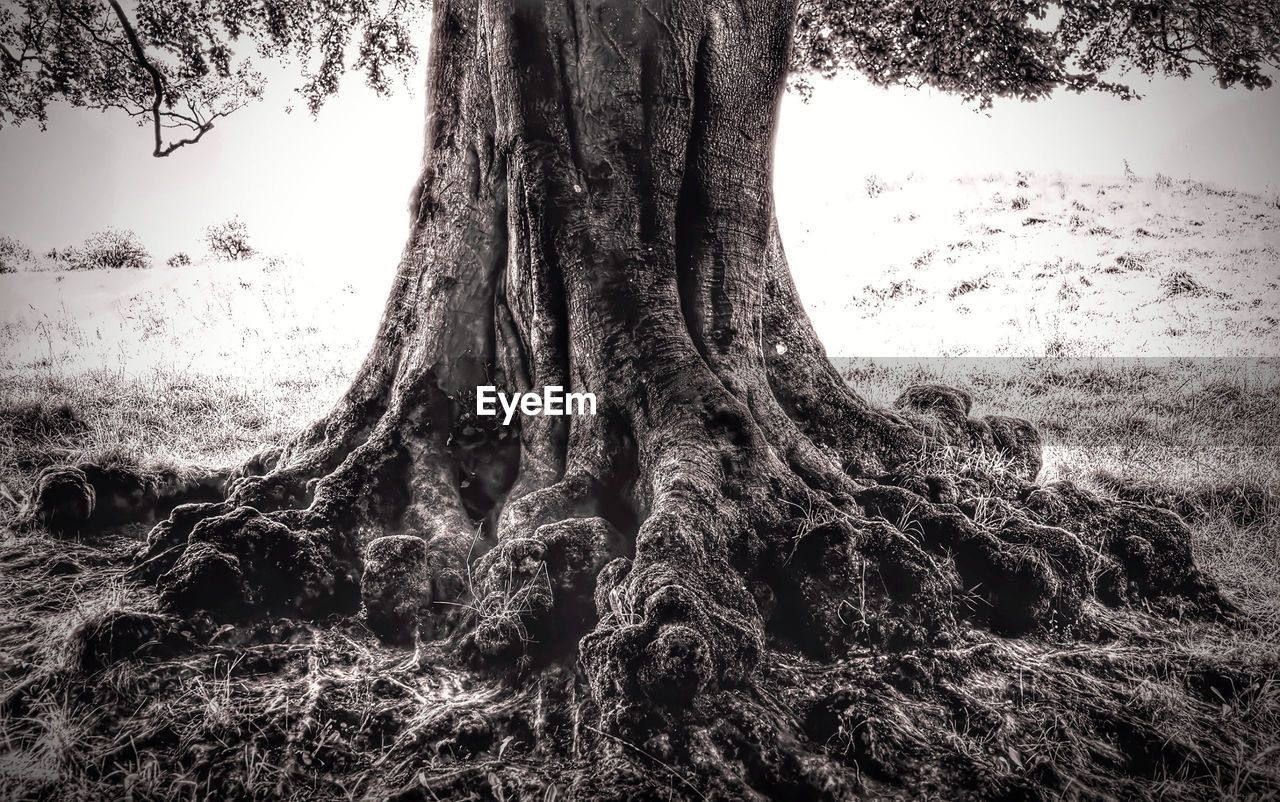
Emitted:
pixel 720 569
pixel 735 552
pixel 535 595
pixel 234 562
pixel 88 497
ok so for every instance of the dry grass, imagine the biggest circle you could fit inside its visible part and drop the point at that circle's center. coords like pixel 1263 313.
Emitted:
pixel 1031 264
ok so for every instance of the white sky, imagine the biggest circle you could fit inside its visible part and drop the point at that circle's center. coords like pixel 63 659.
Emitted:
pixel 332 191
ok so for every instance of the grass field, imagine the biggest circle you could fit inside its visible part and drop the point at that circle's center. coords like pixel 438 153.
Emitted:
pixel 1029 265
pixel 207 363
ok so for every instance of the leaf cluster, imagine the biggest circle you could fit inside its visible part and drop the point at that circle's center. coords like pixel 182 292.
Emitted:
pixel 981 49
pixel 178 66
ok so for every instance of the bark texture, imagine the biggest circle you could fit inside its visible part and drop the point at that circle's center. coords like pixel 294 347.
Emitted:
pixel 595 211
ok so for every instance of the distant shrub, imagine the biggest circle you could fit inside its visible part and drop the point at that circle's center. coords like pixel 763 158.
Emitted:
pixel 1132 262
pixel 229 241
pixel 923 259
pixel 875 186
pixel 179 259
pixel 1059 347
pixel 895 290
pixel 112 249
pixel 14 256
pixel 969 285
pixel 1019 203
pixel 1181 282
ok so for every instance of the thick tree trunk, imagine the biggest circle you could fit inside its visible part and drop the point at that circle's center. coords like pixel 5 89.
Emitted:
pixel 595 211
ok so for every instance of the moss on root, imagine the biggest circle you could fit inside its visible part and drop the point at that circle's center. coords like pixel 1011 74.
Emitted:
pixel 236 563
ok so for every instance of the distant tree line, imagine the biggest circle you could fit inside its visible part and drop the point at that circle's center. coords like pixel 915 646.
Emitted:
pixel 122 249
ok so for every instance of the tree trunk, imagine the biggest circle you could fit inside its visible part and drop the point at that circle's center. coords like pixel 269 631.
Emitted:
pixel 595 211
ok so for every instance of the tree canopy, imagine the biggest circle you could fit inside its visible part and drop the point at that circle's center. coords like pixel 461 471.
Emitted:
pixel 178 67
pixel 1027 49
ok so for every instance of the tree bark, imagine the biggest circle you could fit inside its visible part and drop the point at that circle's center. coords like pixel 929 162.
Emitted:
pixel 595 211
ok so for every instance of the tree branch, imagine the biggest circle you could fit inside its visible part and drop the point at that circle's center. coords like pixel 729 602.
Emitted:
pixel 157 87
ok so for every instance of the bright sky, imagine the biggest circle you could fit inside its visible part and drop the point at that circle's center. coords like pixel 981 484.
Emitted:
pixel 332 191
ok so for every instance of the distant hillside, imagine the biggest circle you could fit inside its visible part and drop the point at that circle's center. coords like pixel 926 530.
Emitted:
pixel 1033 264
pixel 1020 265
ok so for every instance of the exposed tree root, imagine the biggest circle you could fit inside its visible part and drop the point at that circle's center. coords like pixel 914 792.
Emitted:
pixel 90 497
pixel 1153 710
pixel 736 555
